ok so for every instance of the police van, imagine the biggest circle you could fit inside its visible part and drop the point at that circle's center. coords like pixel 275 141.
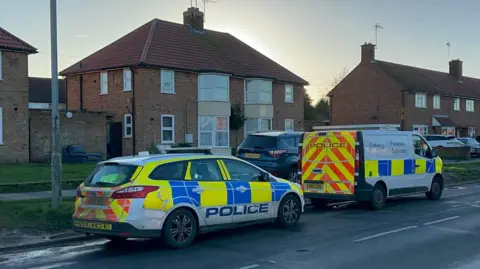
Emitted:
pixel 367 166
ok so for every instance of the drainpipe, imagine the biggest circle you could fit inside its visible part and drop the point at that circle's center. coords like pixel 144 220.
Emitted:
pixel 81 92
pixel 402 126
pixel 66 93
pixel 133 113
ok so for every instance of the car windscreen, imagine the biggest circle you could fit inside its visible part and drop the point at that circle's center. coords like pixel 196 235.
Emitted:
pixel 110 175
pixel 463 140
pixel 260 142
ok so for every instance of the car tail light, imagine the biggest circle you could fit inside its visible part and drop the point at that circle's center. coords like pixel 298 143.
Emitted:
pixel 133 192
pixel 79 193
pixel 357 158
pixel 276 153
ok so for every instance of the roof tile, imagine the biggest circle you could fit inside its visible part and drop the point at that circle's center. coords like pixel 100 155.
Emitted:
pixel 11 42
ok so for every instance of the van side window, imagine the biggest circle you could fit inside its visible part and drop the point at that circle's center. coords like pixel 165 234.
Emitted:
pixel 169 171
pixel 420 146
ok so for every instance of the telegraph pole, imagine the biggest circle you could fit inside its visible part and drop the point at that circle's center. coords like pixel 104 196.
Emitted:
pixel 56 161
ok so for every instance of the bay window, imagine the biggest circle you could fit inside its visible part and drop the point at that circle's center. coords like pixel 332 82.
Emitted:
pixel 214 131
pixel 257 124
pixel 213 87
pixel 258 91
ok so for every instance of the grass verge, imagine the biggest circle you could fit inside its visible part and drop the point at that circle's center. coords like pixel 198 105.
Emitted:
pixel 26 173
pixel 36 214
pixel 461 172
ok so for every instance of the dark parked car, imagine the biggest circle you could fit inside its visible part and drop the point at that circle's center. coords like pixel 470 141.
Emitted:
pixel 273 151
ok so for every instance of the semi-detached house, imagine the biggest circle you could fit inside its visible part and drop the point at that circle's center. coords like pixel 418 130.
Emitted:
pixel 166 83
pixel 422 100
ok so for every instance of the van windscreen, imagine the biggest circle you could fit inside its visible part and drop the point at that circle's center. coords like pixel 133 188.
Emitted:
pixel 110 175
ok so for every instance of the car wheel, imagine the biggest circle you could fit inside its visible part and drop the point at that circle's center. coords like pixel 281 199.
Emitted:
pixel 436 189
pixel 379 197
pixel 293 177
pixel 180 229
pixel 289 211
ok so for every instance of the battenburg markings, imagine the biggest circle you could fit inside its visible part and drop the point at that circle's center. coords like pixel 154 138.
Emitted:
pixel 226 211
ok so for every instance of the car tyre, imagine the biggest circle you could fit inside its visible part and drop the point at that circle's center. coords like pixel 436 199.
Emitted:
pixel 379 197
pixel 289 211
pixel 180 229
pixel 436 189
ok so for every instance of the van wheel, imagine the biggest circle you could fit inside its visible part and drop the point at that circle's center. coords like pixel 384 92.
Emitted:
pixel 289 211
pixel 379 197
pixel 180 229
pixel 436 189
pixel 319 203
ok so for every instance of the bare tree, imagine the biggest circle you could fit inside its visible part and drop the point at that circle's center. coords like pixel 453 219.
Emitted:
pixel 339 76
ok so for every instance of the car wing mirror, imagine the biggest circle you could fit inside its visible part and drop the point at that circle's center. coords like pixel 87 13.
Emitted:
pixel 265 177
pixel 434 153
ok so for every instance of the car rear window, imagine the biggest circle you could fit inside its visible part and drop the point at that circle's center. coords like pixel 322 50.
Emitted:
pixel 259 141
pixel 110 175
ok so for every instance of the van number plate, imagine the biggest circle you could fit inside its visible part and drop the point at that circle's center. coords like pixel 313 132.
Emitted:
pixel 314 186
pixel 252 155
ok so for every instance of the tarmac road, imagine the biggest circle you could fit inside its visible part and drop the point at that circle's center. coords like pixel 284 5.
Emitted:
pixel 409 233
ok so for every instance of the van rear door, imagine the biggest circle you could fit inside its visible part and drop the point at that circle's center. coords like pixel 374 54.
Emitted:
pixel 328 162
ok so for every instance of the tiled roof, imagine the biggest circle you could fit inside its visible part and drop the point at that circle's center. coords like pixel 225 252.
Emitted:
pixel 429 81
pixel 40 90
pixel 171 45
pixel 11 42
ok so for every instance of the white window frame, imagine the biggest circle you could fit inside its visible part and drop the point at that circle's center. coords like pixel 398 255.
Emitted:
pixel 446 128
pixel 125 126
pixel 289 98
pixel 418 126
pixel 470 105
pixel 214 132
pixel 166 74
pixel 127 80
pixel 257 92
pixel 162 128
pixel 203 89
pixel 259 124
pixel 103 83
pixel 423 103
pixel 436 101
pixel 456 104
pixel 472 130
pixel 1 125
pixel 1 66
pixel 293 125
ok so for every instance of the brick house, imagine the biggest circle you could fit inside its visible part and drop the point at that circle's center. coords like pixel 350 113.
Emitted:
pixel 426 101
pixel 14 128
pixel 167 83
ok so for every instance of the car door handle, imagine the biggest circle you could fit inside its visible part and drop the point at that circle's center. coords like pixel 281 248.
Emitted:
pixel 417 165
pixel 241 189
pixel 198 189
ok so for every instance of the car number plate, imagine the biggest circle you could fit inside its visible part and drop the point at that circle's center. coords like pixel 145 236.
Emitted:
pixel 91 225
pixel 314 186
pixel 100 201
pixel 252 155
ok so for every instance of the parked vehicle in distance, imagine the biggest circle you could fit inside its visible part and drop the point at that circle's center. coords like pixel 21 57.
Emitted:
pixel 368 166
pixel 473 143
pixel 273 151
pixel 447 141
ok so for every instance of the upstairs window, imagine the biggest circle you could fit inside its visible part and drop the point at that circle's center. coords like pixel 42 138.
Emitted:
pixel 456 104
pixel 421 100
pixel 213 87
pixel 167 81
pixel 258 91
pixel 436 101
pixel 104 83
pixel 288 93
pixel 127 80
pixel 470 105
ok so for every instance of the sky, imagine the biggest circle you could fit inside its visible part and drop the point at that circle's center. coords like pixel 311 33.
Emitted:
pixel 316 39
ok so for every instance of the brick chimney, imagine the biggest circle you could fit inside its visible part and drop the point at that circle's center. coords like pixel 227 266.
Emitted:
pixel 368 53
pixel 193 17
pixel 455 69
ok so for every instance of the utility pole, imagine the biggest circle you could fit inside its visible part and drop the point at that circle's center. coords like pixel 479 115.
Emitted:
pixel 377 26
pixel 56 161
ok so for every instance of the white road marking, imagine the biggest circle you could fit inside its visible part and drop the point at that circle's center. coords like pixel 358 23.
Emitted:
pixel 475 205
pixel 53 265
pixel 385 233
pixel 441 220
pixel 456 195
pixel 250 266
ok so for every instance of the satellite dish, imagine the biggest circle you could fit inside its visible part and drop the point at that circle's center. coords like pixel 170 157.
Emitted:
pixel 69 115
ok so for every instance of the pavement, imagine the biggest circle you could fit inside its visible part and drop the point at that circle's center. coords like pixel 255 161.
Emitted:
pixel 409 233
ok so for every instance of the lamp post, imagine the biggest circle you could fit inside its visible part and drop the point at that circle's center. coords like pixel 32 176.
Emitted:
pixel 56 161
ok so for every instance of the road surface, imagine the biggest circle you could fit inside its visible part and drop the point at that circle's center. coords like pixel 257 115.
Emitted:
pixel 410 233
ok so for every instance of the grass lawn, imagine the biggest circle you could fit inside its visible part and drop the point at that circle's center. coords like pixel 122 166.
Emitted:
pixel 461 172
pixel 36 214
pixel 24 173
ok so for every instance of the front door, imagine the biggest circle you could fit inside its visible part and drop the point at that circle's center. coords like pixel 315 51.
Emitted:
pixel 212 193
pixel 114 139
pixel 252 197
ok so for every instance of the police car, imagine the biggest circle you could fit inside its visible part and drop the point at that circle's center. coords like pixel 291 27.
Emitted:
pixel 180 194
